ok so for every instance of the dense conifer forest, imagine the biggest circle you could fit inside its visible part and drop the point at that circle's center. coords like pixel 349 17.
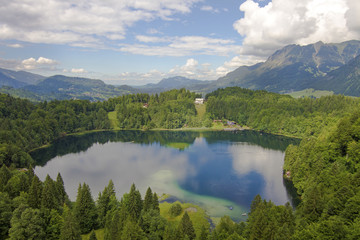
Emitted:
pixel 324 168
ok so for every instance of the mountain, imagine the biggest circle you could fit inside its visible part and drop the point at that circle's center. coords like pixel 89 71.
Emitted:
pixel 63 87
pixel 293 67
pixel 344 80
pixel 173 83
pixel 18 79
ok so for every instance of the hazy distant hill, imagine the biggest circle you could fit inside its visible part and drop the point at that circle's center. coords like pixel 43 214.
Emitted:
pixel 63 87
pixel 18 79
pixel 173 83
pixel 293 67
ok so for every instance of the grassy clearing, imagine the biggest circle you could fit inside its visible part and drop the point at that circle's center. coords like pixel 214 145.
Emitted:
pixel 217 126
pixel 196 214
pixel 310 93
pixel 99 235
pixel 114 122
pixel 201 110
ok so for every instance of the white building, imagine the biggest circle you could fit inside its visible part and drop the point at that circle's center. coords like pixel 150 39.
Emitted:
pixel 199 101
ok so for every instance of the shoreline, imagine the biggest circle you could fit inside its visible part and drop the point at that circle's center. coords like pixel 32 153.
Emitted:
pixel 194 129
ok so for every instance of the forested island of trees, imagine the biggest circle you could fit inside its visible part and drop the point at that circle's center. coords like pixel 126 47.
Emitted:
pixel 324 167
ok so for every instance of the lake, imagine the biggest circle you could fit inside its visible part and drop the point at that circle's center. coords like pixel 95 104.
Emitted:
pixel 217 170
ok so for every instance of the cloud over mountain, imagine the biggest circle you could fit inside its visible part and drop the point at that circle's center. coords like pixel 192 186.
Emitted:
pixel 283 22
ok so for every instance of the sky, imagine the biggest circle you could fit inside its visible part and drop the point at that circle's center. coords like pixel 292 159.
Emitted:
pixel 136 42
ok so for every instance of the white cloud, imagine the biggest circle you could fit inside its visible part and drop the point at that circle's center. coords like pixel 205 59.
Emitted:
pixel 78 70
pixel 236 62
pixel 81 22
pixel 40 63
pixel 8 63
pixel 181 46
pixel 283 22
pixel 15 45
pixel 352 16
pixel 208 8
pixel 151 39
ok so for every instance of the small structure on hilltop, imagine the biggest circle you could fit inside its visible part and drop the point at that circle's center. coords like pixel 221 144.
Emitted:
pixel 199 101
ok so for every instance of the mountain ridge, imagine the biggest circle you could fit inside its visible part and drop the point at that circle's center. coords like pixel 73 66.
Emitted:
pixel 321 66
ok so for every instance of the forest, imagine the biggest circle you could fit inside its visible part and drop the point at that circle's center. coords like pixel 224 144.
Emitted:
pixel 323 167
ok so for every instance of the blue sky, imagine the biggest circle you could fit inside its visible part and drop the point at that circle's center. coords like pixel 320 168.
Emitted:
pixel 141 41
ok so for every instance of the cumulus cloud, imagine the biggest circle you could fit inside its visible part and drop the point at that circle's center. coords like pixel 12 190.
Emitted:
pixel 283 22
pixel 181 46
pixel 236 62
pixel 352 16
pixel 41 62
pixel 81 22
pixel 192 69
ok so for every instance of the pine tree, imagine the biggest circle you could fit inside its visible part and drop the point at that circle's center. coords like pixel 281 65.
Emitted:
pixel 148 200
pixel 53 228
pixel 30 172
pixel 62 195
pixel 85 211
pixel 49 194
pixel 156 203
pixel 114 225
pixel 70 229
pixel 35 192
pixel 133 203
pixel 5 214
pixel 5 176
pixel 186 226
pixel 204 234
pixel 132 231
pixel 92 235
pixel 104 202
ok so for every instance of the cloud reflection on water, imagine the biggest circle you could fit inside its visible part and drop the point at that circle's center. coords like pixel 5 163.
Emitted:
pixel 249 158
pixel 124 163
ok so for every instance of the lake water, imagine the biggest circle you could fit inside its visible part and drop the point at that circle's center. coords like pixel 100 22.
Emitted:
pixel 216 170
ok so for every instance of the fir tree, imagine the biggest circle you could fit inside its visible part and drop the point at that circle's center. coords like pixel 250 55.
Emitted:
pixel 62 195
pixel 5 214
pixel 113 225
pixel 5 176
pixel 49 198
pixel 148 200
pixel 53 228
pixel 85 211
pixel 35 193
pixel 132 231
pixel 186 226
pixel 30 172
pixel 104 202
pixel 92 235
pixel 133 203
pixel 156 203
pixel 204 233
pixel 70 229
